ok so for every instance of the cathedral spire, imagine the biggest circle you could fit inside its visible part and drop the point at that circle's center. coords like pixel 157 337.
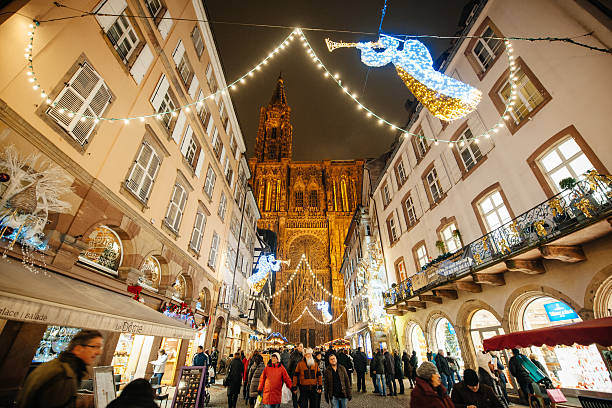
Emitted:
pixel 279 97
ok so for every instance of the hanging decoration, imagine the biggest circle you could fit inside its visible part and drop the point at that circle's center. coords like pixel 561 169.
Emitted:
pixel 323 306
pixel 33 190
pixel 265 265
pixel 278 336
pixel 136 289
pixel 445 97
pixel 181 313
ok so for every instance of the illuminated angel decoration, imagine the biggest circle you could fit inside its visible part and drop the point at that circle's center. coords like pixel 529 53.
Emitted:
pixel 323 306
pixel 445 97
pixel 265 265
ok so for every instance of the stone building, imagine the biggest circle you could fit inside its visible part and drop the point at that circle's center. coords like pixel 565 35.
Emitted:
pixel 309 205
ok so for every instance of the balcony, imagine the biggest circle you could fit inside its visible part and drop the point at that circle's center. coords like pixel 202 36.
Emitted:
pixel 515 246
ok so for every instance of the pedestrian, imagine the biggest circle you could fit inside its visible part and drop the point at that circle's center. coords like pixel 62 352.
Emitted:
pixel 521 374
pixel 501 374
pixel 345 360
pixel 377 367
pixel 453 363
pixel 245 374
pixel 159 367
pixel 271 382
pixel 444 369
pixel 137 394
pixel 55 383
pixel 399 371
pixel 429 391
pixel 253 378
pixel 407 368
pixel 390 373
pixel 534 360
pixel 285 358
pixel 471 393
pixel 330 351
pixel 200 358
pixel 430 356
pixel 233 380
pixel 414 362
pixel 297 354
pixel 337 385
pixel 214 359
pixel 360 361
pixel 309 380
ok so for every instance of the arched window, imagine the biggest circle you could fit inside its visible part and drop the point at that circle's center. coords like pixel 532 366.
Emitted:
pixel 446 339
pixel 368 345
pixel 418 342
pixel 179 288
pixel 151 272
pixel 104 249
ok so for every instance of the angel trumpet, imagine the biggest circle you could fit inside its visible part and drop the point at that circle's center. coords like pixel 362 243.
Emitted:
pixel 332 45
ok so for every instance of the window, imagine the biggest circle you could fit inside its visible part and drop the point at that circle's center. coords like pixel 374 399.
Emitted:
pixel 564 160
pixel 214 249
pixel 450 238
pixel 487 49
pixel 176 208
pixel 154 7
pixel 421 256
pixel 400 270
pixel 433 185
pixel 198 231
pixel 386 195
pixel 123 37
pixel 104 248
pixel 233 144
pixel 223 114
pixel 182 64
pixel 204 114
pixel 189 148
pixel 85 94
pixel 163 103
pixel 235 227
pixel 222 206
pixel 529 99
pixel 210 78
pixel 410 211
pixel 217 144
pixel 299 199
pixel 420 144
pixel 229 173
pixel 493 210
pixel 209 184
pixel 468 150
pixel 198 42
pixel 392 226
pixel 143 172
pixel 314 199
pixel 400 172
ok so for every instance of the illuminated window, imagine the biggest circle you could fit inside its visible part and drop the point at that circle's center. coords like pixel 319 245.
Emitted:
pixel 493 210
pixel 421 256
pixel 468 150
pixel 400 270
pixel 179 287
pixel 104 248
pixel 564 160
pixel 450 238
pixel 151 271
pixel 314 199
pixel 299 199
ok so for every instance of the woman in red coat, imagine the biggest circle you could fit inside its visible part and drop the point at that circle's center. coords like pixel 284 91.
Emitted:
pixel 429 391
pixel 271 382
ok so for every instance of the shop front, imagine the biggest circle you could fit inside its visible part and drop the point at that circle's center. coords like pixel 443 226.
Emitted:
pixel 132 355
pixel 573 367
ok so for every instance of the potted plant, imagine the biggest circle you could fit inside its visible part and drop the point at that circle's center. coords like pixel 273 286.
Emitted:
pixel 568 182
pixel 441 247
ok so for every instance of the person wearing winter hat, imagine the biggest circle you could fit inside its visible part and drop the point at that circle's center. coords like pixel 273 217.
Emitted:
pixel 271 382
pixel 309 380
pixel 429 391
pixel 470 393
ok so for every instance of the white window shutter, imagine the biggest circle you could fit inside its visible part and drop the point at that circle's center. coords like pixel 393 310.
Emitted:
pixel 211 124
pixel 200 99
pixel 142 64
pixel 178 53
pixel 139 168
pixel 186 140
pixel 198 169
pixel 109 7
pixel 160 92
pixel 165 25
pixel 147 183
pixel 194 86
pixel 178 127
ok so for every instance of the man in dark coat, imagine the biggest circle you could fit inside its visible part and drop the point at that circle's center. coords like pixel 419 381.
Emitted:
pixel 233 380
pixel 285 358
pixel 297 355
pixel 444 370
pixel 214 359
pixel 200 358
pixel 330 351
pixel 345 361
pixel 521 374
pixel 390 373
pixel 360 361
pixel 399 371
pixel 337 385
pixel 55 383
pixel 470 392
pixel 377 368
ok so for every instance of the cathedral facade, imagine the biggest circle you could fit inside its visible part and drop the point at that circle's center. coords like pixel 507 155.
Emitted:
pixel 309 205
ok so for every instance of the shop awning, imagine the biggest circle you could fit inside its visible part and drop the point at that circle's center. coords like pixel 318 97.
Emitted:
pixel 48 298
pixel 585 333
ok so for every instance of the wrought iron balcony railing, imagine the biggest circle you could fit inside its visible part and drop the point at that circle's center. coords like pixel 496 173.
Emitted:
pixel 587 202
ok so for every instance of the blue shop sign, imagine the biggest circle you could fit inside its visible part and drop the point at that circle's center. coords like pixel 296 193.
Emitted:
pixel 558 311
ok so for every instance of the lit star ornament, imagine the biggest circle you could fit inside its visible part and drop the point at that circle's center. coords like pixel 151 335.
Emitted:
pixel 265 265
pixel 445 97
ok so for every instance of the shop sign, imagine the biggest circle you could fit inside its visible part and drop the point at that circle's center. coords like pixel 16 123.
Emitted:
pixel 127 327
pixel 558 311
pixel 449 267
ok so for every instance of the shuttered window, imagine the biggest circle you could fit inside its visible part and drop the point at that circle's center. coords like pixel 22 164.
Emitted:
pixel 198 42
pixel 433 184
pixel 176 207
pixel 209 184
pixel 154 6
pixel 198 231
pixel 85 97
pixel 143 172
pixel 214 250
pixel 222 206
pixel 123 37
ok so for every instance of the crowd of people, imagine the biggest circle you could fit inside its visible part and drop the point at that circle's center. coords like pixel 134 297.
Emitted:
pixel 303 375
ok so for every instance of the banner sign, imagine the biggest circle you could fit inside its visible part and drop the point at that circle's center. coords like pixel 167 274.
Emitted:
pixel 558 311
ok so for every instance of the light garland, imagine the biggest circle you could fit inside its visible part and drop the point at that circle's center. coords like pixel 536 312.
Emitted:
pixel 242 79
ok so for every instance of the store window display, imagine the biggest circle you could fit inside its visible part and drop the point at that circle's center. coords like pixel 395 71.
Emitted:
pixel 172 347
pixel 54 341
pixel 418 342
pixel 579 367
pixel 150 273
pixel 104 249
pixel 446 339
pixel 131 356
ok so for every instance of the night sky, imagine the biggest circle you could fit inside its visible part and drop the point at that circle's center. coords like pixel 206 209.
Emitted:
pixel 326 123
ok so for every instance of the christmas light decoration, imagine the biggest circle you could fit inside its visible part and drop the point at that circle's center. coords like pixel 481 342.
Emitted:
pixel 323 306
pixel 277 335
pixel 445 97
pixel 265 265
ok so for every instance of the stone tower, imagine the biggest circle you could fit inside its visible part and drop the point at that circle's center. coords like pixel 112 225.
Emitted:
pixel 309 205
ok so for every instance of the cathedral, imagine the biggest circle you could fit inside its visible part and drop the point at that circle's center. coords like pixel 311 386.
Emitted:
pixel 309 205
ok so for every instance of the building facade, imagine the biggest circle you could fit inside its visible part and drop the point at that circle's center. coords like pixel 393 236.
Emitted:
pixel 135 116
pixel 487 236
pixel 309 205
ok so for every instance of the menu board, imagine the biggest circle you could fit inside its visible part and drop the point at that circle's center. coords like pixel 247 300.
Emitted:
pixel 189 386
pixel 104 385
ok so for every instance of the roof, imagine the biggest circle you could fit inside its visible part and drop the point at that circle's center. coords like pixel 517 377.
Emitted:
pixel 279 97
